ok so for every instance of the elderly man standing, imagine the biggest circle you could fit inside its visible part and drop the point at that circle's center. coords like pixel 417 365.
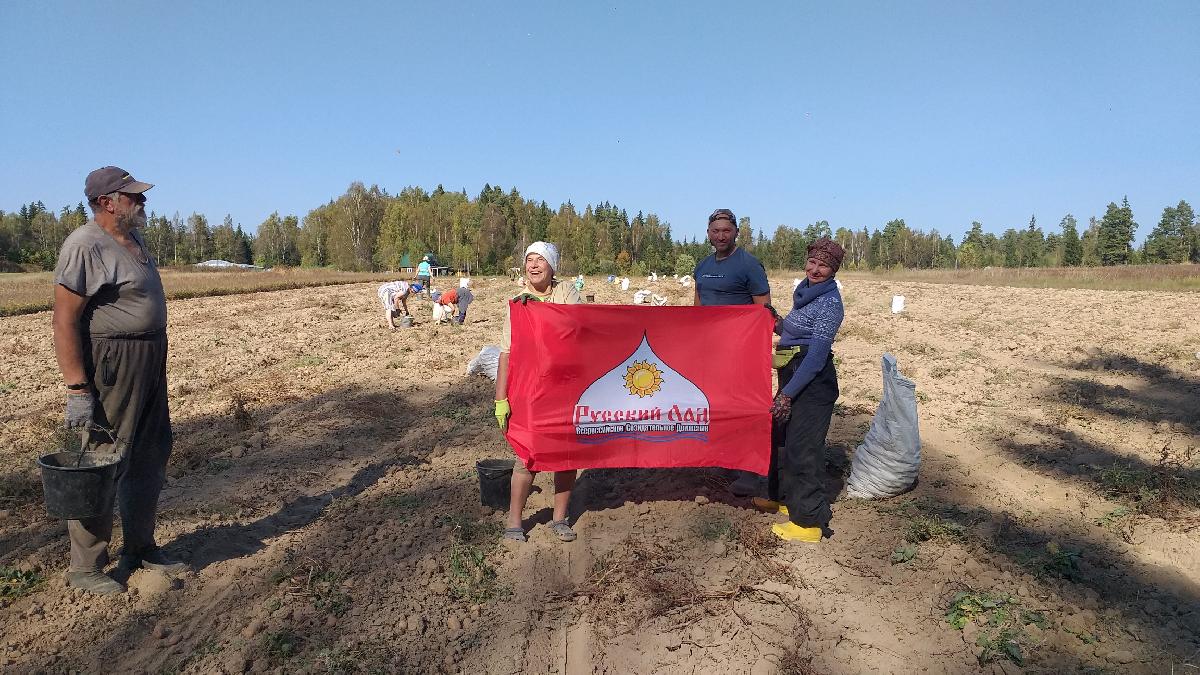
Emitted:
pixel 110 339
pixel 732 276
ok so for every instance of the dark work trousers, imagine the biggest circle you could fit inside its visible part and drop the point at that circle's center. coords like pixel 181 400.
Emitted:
pixel 130 378
pixel 797 475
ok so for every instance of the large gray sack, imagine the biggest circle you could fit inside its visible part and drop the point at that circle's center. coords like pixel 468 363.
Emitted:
pixel 887 462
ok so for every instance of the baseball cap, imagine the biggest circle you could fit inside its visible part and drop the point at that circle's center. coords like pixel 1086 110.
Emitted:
pixel 723 214
pixel 111 179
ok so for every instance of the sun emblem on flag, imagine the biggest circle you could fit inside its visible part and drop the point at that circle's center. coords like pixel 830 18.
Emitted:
pixel 643 378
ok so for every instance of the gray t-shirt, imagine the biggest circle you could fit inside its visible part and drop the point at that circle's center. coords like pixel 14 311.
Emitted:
pixel 125 295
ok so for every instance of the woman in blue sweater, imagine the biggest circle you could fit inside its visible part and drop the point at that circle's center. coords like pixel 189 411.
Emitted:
pixel 803 408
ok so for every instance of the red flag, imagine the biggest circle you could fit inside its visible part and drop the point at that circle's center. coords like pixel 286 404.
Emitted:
pixel 606 386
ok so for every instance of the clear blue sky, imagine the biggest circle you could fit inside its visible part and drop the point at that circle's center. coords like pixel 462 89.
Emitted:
pixel 791 112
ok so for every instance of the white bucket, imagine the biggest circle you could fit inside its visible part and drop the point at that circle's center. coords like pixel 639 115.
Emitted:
pixel 897 304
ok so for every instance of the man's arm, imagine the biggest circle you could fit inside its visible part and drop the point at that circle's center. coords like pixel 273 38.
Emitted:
pixel 68 340
pixel 764 299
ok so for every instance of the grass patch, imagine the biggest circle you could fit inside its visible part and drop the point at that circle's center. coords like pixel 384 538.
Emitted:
pixel 711 526
pixel 1051 560
pixel 19 487
pixel 861 330
pixel 924 528
pixel 904 553
pixel 403 506
pixel 307 361
pixel 468 530
pixel 17 583
pixel 242 419
pixel 218 465
pixel 320 584
pixel 1163 490
pixel 1001 622
pixel 281 645
pixel 1114 517
pixel 470 577
pixel 468 573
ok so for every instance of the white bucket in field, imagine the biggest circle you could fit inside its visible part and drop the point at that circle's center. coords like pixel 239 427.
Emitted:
pixel 897 304
pixel 625 284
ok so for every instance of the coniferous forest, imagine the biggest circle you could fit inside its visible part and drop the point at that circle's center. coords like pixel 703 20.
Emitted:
pixel 366 228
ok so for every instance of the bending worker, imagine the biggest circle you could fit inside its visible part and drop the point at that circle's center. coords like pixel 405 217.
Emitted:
pixel 455 300
pixel 394 296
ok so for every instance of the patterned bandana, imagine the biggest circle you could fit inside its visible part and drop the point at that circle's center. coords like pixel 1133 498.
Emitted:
pixel 828 252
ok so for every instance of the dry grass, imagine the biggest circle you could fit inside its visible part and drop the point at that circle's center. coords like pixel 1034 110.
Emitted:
pixel 1120 278
pixel 25 293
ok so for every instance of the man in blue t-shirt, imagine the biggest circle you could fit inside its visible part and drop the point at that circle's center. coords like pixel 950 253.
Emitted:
pixel 731 276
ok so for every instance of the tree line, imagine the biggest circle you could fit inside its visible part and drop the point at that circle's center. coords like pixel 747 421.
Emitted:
pixel 369 229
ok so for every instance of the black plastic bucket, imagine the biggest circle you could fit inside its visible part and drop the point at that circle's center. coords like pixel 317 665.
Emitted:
pixel 495 479
pixel 79 487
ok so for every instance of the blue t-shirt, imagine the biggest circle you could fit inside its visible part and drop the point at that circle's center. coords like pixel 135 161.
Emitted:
pixel 732 281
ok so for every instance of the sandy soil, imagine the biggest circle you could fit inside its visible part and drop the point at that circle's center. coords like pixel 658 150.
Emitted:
pixel 323 490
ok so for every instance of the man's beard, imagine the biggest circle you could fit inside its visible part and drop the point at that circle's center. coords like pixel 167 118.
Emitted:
pixel 130 221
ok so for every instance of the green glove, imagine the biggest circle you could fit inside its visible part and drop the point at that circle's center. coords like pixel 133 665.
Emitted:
pixel 524 298
pixel 502 413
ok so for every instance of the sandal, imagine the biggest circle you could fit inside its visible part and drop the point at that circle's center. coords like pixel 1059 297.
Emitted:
pixel 514 534
pixel 562 530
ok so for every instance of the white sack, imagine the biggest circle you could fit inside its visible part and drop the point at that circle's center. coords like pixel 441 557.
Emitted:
pixel 887 462
pixel 486 362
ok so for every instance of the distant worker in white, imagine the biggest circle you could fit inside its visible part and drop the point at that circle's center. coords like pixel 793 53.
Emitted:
pixel 394 296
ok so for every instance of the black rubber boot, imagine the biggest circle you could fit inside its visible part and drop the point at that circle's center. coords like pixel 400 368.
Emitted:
pixel 95 582
pixel 155 561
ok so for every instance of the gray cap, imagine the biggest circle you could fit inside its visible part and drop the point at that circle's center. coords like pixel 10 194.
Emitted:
pixel 111 179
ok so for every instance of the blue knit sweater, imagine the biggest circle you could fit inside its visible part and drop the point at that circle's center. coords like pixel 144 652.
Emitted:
pixel 815 325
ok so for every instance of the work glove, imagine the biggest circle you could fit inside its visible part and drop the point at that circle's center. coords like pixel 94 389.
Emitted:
pixel 781 408
pixel 524 298
pixel 502 414
pixel 79 409
pixel 774 316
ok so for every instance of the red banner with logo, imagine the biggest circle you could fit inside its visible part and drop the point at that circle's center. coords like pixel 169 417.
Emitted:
pixel 608 386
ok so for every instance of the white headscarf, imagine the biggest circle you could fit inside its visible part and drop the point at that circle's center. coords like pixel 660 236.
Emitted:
pixel 546 250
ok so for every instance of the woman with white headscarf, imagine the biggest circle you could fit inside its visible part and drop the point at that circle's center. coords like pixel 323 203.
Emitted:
pixel 541 260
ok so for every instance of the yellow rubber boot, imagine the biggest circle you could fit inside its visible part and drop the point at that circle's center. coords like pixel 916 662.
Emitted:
pixel 790 531
pixel 769 506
